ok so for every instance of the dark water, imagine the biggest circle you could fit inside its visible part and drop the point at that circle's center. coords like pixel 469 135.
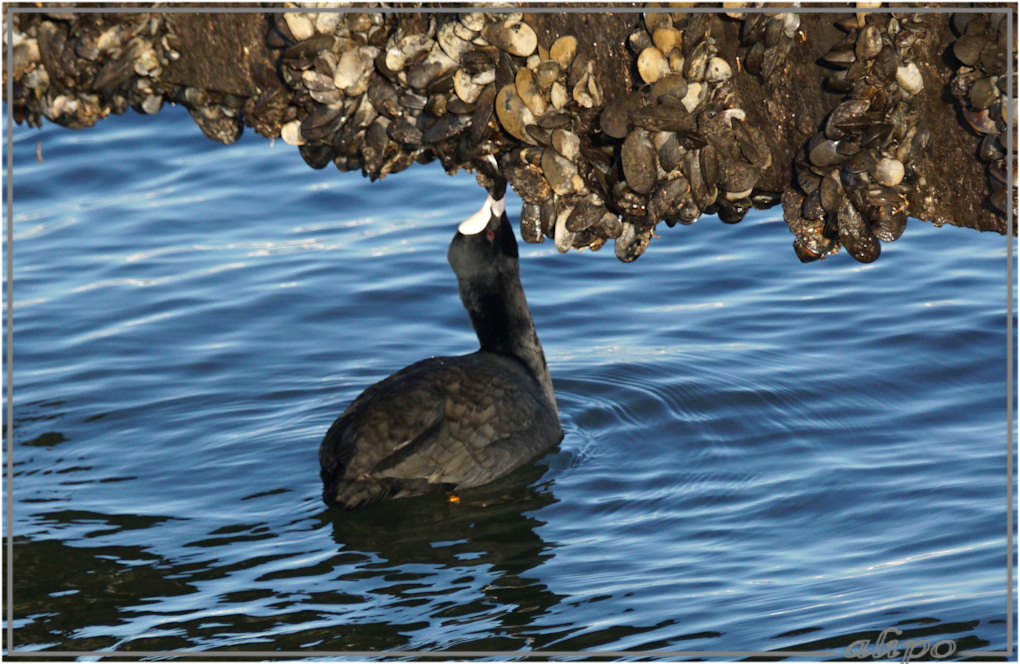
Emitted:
pixel 759 455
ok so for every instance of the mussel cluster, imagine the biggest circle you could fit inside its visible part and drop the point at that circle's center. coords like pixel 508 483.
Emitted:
pixel 676 146
pixel 478 90
pixel 596 150
pixel 378 91
pixel 980 84
pixel 377 95
pixel 669 150
pixel 854 175
pixel 768 38
pixel 75 70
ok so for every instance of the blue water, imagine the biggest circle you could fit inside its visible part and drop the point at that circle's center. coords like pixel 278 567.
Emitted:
pixel 759 454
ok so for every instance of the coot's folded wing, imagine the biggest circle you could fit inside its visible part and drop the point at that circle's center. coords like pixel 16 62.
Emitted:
pixel 492 423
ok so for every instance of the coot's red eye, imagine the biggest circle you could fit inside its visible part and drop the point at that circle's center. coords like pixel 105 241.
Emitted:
pixel 491 235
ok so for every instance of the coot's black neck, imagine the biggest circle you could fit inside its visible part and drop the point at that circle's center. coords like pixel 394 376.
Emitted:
pixel 501 318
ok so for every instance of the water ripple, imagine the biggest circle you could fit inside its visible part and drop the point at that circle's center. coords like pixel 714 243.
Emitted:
pixel 757 454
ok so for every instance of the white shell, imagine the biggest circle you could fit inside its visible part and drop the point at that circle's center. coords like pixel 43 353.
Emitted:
pixel 583 92
pixel 577 182
pixel 291 133
pixel 150 104
pixel 313 80
pixel 326 23
pixel 529 92
pixel 791 23
pixel 558 95
pixel 39 79
pixel 909 77
pixel 352 72
pixel 465 87
pixel 147 64
pixel 888 172
pixel 474 21
pixel 301 26
pixel 563 50
pixel 566 143
pixel 652 65
pixel 395 58
pixel 693 97
pixel 106 40
pixel 733 113
pixel 737 195
pixel 464 32
pixel 477 222
pixel 521 39
pixel 718 70
pixel 485 77
pixel 562 238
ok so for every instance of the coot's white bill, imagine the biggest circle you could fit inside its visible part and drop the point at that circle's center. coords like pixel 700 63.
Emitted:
pixel 477 222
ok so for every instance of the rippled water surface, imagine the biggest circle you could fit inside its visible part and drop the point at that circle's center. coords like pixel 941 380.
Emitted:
pixel 759 455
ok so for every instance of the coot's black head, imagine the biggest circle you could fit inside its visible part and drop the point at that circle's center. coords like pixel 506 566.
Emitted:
pixel 484 249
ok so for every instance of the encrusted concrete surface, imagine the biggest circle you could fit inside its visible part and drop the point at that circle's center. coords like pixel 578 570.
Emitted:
pixel 606 123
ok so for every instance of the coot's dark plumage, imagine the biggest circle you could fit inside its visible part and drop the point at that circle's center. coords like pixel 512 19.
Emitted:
pixel 453 422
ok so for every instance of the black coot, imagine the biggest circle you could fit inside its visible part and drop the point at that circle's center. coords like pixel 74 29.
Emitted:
pixel 453 422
